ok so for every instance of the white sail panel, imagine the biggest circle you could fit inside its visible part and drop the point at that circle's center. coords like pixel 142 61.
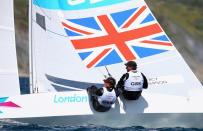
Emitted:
pixel 72 44
pixel 9 81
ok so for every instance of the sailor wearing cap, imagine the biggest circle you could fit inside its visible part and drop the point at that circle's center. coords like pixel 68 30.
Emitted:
pixel 103 98
pixel 132 82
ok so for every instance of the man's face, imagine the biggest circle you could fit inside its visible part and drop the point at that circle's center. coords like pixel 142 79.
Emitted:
pixel 106 84
pixel 129 68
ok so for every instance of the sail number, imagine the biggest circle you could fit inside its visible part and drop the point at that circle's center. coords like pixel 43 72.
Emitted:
pixel 77 2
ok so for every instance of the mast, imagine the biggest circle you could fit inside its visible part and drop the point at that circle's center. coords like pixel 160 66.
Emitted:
pixel 30 48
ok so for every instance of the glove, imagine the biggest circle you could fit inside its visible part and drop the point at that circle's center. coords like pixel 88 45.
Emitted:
pixel 89 87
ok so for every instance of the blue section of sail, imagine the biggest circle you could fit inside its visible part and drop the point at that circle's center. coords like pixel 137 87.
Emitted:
pixel 61 89
pixel 2 100
pixel 149 18
pixel 161 38
pixel 84 55
pixel 111 58
pixel 145 52
pixel 75 4
pixel 121 17
pixel 70 83
pixel 87 22
pixel 71 33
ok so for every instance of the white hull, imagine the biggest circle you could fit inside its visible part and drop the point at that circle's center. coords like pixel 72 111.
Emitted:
pixel 110 120
pixel 118 121
pixel 36 108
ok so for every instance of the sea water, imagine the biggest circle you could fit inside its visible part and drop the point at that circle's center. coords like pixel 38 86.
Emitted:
pixel 21 127
pixel 15 126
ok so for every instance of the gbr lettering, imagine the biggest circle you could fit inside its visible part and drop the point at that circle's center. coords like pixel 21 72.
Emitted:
pixel 135 83
pixel 77 2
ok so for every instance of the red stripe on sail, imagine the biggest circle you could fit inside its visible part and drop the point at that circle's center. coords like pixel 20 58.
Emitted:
pixel 98 58
pixel 77 30
pixel 135 17
pixel 157 43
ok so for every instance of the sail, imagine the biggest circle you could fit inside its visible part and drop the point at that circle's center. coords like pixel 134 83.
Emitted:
pixel 77 43
pixel 9 81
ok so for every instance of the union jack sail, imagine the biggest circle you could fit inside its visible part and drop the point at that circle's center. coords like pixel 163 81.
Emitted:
pixel 117 37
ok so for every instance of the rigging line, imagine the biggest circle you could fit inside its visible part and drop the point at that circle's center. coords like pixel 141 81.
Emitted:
pixel 36 74
pixel 108 71
pixel 101 73
pixel 31 48
pixel 52 31
pixel 56 33
pixel 34 66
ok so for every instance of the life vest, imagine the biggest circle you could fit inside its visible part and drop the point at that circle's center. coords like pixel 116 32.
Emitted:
pixel 108 98
pixel 134 82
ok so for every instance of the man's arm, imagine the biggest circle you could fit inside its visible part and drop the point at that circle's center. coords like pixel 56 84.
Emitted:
pixel 95 91
pixel 121 82
pixel 99 92
pixel 145 84
pixel 118 92
pixel 120 86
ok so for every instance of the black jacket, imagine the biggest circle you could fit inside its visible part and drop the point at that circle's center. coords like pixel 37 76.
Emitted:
pixel 95 92
pixel 100 91
pixel 130 95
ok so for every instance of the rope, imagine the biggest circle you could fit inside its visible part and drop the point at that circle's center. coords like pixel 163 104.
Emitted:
pixel 101 73
pixel 108 71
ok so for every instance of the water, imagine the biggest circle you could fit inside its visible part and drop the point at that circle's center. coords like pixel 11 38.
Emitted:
pixel 12 126
pixel 24 85
pixel 15 126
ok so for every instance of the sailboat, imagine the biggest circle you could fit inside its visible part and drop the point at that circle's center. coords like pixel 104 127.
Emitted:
pixel 77 43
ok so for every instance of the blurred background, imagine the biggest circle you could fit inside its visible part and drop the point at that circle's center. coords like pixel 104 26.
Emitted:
pixel 181 19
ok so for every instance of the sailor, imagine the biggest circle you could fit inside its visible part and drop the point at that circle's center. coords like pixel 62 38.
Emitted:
pixel 103 98
pixel 132 82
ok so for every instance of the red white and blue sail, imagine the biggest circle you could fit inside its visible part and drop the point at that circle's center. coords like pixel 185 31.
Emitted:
pixel 117 37
pixel 74 39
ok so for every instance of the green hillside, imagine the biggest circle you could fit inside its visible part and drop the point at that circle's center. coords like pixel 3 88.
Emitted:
pixel 186 13
pixel 21 14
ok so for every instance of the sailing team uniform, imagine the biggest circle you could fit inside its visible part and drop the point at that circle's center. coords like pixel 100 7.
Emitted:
pixel 102 98
pixel 131 84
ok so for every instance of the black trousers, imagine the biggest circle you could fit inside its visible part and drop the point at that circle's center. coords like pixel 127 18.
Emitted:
pixel 132 95
pixel 94 99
